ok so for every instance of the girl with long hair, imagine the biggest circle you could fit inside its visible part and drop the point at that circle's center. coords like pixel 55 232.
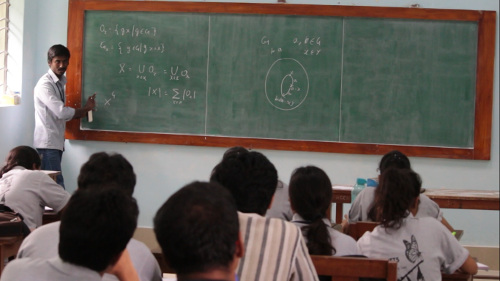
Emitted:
pixel 26 190
pixel 310 193
pixel 423 247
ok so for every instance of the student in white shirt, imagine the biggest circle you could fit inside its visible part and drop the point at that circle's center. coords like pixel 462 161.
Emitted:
pixel 101 168
pixel 95 229
pixel 361 206
pixel 423 247
pixel 26 189
pixel 310 197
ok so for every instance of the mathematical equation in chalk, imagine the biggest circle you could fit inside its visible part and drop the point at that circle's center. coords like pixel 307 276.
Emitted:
pixel 175 95
pixel 127 30
pixel 147 71
pixel 308 45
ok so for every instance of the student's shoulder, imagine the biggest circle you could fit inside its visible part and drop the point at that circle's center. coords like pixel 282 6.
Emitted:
pixel 341 236
pixel 17 269
pixel 137 247
pixel 425 221
pixel 31 175
pixel 258 221
pixel 39 241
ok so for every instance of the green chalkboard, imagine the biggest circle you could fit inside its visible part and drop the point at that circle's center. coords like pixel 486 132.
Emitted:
pixel 285 76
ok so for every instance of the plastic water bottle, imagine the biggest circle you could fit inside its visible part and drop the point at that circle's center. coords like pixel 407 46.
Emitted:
pixel 371 183
pixel 360 184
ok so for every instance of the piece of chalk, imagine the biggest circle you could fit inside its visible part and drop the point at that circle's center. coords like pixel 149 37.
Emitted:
pixel 89 115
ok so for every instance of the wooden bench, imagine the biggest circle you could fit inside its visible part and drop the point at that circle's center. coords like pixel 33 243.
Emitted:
pixel 356 230
pixel 352 268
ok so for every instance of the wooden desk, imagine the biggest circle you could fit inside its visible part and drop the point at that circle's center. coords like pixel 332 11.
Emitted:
pixel 52 174
pixel 445 198
pixel 8 247
pixel 50 216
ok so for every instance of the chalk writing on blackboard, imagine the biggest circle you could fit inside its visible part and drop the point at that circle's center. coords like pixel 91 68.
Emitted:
pixel 288 91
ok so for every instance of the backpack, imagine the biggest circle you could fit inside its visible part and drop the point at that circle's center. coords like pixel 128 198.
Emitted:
pixel 12 223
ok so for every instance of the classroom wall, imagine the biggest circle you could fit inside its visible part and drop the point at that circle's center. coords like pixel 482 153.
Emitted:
pixel 162 169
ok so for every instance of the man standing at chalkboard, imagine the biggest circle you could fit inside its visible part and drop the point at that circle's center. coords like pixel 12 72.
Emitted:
pixel 51 113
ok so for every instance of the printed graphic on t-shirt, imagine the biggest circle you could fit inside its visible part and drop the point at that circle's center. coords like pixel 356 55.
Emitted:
pixel 414 256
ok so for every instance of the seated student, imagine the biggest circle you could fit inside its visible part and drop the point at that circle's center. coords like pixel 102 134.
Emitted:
pixel 101 168
pixel 198 231
pixel 280 207
pixel 310 196
pixel 423 247
pixel 95 229
pixel 363 202
pixel 274 248
pixel 26 190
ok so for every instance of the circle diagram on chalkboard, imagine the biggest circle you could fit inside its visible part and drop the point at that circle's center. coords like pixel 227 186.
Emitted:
pixel 287 84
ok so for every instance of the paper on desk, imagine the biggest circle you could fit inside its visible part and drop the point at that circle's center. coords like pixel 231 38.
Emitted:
pixel 342 187
pixel 482 266
pixel 169 277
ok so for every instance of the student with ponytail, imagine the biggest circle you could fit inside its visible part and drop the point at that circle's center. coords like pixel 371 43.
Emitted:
pixel 423 247
pixel 364 201
pixel 310 193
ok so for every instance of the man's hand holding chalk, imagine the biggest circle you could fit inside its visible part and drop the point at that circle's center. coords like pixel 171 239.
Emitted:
pixel 91 102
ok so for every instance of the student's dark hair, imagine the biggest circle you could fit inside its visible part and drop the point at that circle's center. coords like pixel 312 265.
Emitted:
pixel 235 150
pixel 96 226
pixel 394 159
pixel 104 168
pixel 395 195
pixel 57 51
pixel 197 228
pixel 24 156
pixel 250 177
pixel 310 192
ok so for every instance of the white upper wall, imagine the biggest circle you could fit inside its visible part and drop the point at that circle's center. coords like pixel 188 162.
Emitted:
pixel 162 169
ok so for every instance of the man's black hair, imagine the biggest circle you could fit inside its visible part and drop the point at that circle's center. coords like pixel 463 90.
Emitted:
pixel 57 51
pixel 197 228
pixel 96 226
pixel 250 177
pixel 104 168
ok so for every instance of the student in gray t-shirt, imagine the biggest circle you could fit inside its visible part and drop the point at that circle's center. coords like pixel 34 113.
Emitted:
pixel 364 201
pixel 423 247
pixel 95 229
pixel 100 168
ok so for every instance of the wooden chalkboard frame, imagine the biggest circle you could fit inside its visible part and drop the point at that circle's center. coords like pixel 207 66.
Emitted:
pixel 484 78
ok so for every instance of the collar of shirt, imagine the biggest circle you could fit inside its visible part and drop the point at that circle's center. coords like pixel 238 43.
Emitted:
pixel 299 219
pixel 56 79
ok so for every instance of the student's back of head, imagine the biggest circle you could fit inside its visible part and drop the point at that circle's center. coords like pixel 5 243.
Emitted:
pixel 394 159
pixel 24 156
pixel 197 229
pixel 96 227
pixel 395 196
pixel 310 193
pixel 250 177
pixel 107 168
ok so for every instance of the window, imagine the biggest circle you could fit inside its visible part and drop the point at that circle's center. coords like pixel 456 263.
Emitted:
pixel 4 29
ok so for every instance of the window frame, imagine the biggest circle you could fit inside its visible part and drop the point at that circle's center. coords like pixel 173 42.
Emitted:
pixel 4 52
